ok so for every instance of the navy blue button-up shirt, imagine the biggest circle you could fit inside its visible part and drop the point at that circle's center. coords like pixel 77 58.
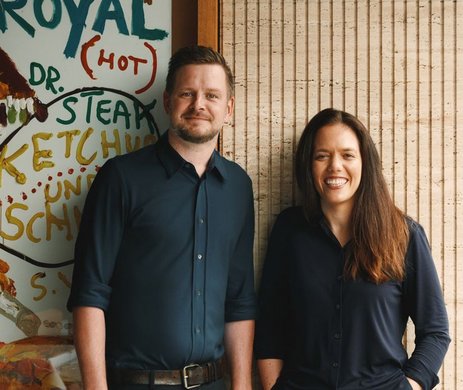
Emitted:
pixel 334 333
pixel 167 255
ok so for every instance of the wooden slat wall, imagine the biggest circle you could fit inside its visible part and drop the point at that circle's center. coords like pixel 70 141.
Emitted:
pixel 398 66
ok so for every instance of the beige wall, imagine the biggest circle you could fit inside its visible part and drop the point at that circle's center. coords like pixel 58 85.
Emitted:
pixel 398 65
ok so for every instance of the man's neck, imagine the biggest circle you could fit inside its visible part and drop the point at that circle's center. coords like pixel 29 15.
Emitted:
pixel 196 154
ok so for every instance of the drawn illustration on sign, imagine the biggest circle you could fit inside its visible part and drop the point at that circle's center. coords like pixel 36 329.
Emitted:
pixel 56 131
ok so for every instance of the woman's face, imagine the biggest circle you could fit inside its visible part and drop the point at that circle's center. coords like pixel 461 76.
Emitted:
pixel 336 166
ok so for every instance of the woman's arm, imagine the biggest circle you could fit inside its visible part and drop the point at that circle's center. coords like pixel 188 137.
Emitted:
pixel 269 371
pixel 424 302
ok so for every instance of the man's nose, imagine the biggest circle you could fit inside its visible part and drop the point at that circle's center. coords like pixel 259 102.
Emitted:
pixel 198 102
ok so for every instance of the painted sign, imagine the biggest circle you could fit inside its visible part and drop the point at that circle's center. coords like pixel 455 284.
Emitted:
pixel 80 82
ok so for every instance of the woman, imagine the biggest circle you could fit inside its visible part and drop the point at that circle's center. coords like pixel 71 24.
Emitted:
pixel 343 274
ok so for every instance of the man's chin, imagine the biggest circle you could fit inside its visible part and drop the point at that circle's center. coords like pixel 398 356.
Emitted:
pixel 188 136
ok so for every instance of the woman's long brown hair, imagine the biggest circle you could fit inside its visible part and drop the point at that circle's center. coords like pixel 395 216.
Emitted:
pixel 379 229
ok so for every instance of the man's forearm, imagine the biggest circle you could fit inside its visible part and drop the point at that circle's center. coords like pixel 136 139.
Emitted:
pixel 239 337
pixel 89 340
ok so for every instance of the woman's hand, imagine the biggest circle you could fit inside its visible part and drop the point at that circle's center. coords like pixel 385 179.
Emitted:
pixel 414 384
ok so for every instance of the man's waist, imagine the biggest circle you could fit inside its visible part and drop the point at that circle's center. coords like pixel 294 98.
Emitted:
pixel 190 376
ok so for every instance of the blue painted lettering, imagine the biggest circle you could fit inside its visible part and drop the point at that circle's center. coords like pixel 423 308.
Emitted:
pixel 78 16
pixel 55 17
pixel 104 14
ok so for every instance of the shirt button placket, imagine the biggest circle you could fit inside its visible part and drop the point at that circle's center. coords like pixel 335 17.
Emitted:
pixel 198 292
pixel 337 330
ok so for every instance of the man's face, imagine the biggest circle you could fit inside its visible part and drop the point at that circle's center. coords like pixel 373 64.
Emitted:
pixel 199 104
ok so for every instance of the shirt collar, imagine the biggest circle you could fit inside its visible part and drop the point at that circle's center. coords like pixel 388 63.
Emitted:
pixel 172 161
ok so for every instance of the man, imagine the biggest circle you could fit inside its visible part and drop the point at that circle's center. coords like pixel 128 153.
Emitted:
pixel 163 279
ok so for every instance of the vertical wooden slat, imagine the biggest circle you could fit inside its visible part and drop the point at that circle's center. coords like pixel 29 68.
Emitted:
pixel 398 65
pixel 301 74
pixel 289 103
pixel 184 28
pixel 411 107
pixel 449 179
pixel 313 48
pixel 264 195
pixel 374 72
pixel 424 109
pixel 338 54
pixel 436 146
pixel 227 33
pixel 326 58
pixel 240 52
pixel 276 91
pixel 208 25
pixel 387 91
pixel 457 301
pixel 399 131
pixel 350 42
pixel 411 124
pixel 362 61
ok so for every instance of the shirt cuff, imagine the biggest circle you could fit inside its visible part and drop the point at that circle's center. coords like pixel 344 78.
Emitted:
pixel 93 294
pixel 240 309
pixel 419 373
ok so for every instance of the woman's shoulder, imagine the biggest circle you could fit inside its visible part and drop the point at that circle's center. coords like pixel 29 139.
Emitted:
pixel 292 213
pixel 291 218
pixel 414 227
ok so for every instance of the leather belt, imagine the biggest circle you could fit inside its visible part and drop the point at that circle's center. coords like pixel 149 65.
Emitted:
pixel 190 376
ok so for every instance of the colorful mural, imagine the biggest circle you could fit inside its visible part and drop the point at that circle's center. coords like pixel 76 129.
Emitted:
pixel 77 86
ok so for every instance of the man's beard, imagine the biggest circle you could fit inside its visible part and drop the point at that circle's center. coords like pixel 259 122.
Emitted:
pixel 188 136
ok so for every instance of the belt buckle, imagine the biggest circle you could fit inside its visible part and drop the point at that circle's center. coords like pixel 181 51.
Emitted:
pixel 185 376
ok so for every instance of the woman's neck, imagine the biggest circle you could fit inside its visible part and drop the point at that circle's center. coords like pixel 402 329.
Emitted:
pixel 339 222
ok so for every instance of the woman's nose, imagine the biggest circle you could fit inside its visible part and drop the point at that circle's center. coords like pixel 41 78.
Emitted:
pixel 335 163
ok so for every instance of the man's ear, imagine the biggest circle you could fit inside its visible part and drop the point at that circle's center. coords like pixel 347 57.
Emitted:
pixel 230 108
pixel 166 102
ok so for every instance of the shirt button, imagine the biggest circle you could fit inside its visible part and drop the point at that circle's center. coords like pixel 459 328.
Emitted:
pixel 335 365
pixel 338 306
pixel 337 335
pixel 201 220
pixel 198 330
pixel 200 256
pixel 198 293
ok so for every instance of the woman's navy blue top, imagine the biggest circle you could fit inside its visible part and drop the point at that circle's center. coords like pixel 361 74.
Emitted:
pixel 334 333
pixel 167 255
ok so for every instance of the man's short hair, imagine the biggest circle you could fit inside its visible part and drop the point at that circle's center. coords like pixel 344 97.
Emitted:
pixel 197 55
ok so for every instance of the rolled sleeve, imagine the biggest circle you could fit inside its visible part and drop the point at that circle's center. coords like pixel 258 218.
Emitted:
pixel 240 300
pixel 98 241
